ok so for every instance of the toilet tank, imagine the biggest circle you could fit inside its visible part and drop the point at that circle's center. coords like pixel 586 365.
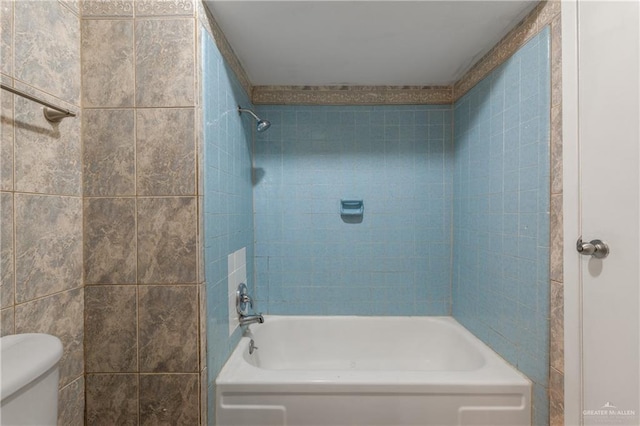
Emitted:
pixel 29 379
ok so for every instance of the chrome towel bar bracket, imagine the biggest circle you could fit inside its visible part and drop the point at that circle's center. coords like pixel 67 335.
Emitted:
pixel 52 113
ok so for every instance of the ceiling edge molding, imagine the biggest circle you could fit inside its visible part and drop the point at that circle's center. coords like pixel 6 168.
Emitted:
pixel 211 26
pixel 352 95
pixel 541 16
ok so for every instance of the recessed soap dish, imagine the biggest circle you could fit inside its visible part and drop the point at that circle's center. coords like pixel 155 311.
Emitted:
pixel 351 207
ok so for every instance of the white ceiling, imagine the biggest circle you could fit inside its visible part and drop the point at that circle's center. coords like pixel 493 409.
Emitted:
pixel 363 42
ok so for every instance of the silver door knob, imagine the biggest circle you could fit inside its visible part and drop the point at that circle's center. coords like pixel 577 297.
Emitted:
pixel 596 248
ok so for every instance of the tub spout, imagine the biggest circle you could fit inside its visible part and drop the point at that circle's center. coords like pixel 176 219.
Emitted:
pixel 250 319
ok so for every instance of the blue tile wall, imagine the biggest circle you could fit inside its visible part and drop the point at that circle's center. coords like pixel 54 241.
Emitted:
pixel 397 260
pixel 501 213
pixel 228 197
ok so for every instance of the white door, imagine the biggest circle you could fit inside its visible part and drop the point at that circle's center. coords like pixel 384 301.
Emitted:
pixel 603 133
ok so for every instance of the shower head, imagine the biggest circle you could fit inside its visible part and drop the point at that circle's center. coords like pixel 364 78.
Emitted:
pixel 262 124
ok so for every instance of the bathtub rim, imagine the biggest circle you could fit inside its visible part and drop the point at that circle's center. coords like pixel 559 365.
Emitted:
pixel 496 375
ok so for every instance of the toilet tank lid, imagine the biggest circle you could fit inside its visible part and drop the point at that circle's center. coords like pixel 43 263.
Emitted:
pixel 24 358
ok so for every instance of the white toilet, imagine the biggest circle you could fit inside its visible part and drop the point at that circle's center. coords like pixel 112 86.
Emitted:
pixel 29 379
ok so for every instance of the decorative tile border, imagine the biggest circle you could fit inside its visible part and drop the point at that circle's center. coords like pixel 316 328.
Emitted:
pixel 556 405
pixel 164 7
pixel 531 25
pixel 211 26
pixel 107 8
pixel 556 320
pixel 142 8
pixel 538 18
pixel 350 95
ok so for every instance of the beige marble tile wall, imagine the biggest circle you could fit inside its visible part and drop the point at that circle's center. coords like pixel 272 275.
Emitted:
pixel 143 356
pixel 41 287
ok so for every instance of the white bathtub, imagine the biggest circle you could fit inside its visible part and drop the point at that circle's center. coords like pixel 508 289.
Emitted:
pixel 368 371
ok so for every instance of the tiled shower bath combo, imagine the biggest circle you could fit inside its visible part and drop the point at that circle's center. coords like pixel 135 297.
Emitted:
pixel 123 227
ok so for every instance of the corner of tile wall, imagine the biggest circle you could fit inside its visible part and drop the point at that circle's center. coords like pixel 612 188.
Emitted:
pixel 210 26
pixel 227 209
pixel 141 211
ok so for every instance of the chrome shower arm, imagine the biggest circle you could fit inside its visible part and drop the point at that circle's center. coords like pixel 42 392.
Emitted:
pixel 241 110
pixel 262 124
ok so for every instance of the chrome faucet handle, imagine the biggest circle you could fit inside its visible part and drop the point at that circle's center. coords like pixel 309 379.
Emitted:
pixel 242 298
pixel 245 298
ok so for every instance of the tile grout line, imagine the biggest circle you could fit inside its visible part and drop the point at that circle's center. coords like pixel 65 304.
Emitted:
pixel 135 23
pixel 83 204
